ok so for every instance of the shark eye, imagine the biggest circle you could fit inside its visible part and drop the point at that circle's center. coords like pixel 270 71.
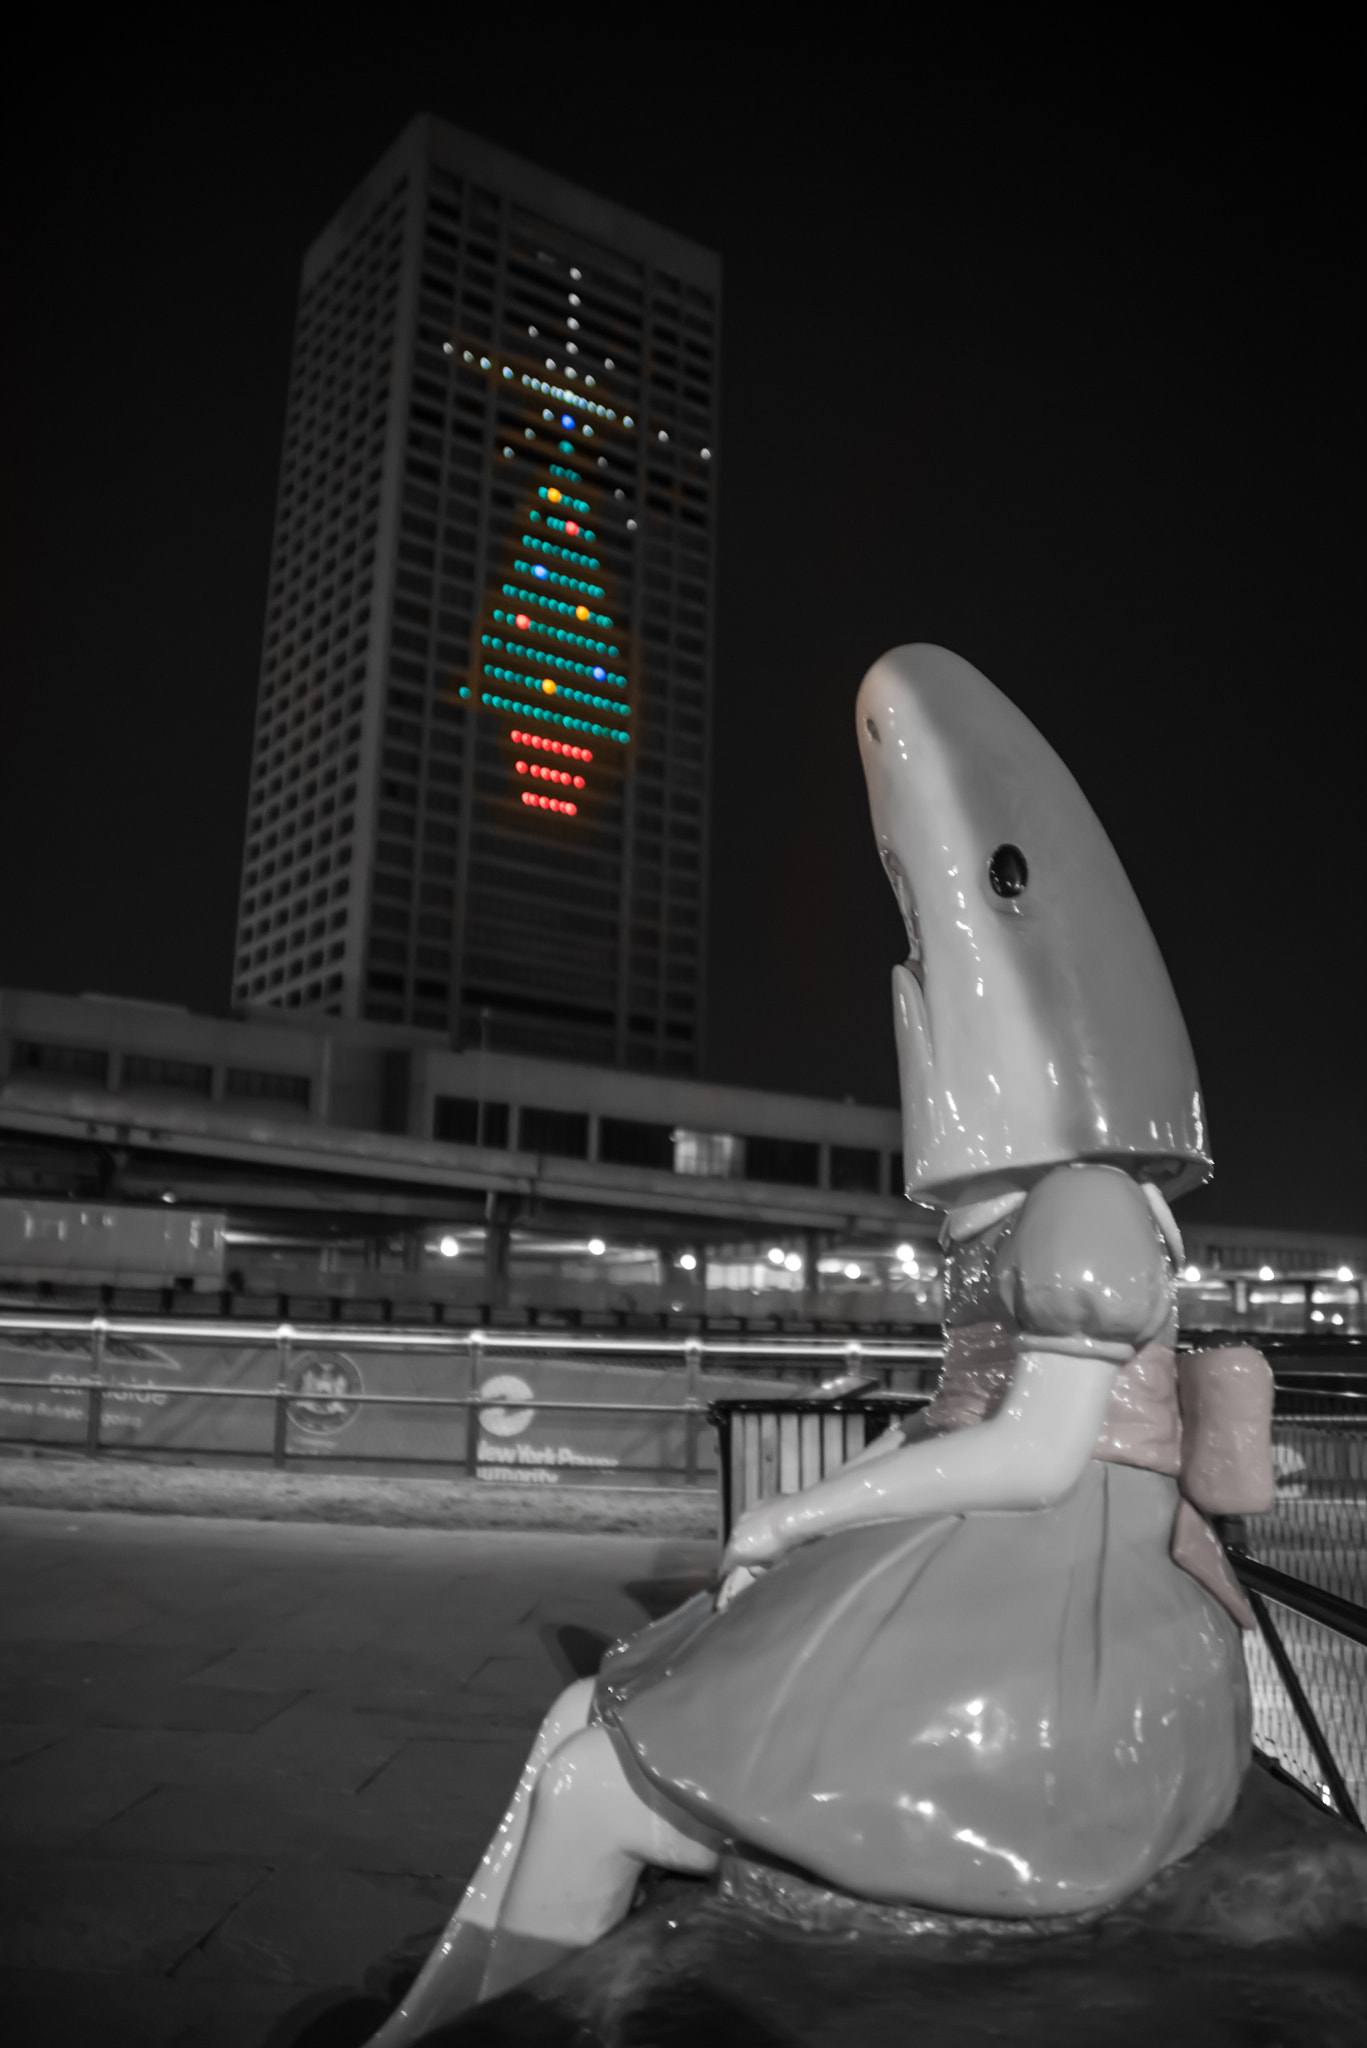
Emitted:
pixel 1008 870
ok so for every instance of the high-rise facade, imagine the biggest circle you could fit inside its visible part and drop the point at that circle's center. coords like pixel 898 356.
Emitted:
pixel 479 790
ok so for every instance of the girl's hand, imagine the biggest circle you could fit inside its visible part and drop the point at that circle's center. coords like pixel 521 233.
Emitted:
pixel 756 1540
pixel 735 1582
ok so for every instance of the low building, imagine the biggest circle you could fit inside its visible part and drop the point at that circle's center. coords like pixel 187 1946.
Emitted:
pixel 352 1162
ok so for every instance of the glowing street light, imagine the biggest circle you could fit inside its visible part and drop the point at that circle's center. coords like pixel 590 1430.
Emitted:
pixel 688 1262
pixel 449 1248
pixel 597 1247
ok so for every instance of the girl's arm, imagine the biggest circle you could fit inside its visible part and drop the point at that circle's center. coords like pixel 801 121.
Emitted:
pixel 1032 1452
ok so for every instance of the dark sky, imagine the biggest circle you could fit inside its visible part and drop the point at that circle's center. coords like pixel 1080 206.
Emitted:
pixel 1057 366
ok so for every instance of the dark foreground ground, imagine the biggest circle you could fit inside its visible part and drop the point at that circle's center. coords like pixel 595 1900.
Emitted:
pixel 241 1761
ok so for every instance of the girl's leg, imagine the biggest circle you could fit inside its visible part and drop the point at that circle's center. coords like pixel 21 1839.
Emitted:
pixel 449 1980
pixel 591 1831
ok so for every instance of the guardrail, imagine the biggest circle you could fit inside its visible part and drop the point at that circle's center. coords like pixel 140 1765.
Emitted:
pixel 474 1351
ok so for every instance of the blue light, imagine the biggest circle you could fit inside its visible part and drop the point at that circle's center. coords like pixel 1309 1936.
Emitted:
pixel 539 571
pixel 568 421
pixel 600 675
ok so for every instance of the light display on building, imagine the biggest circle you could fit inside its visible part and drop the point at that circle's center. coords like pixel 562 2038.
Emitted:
pixel 552 649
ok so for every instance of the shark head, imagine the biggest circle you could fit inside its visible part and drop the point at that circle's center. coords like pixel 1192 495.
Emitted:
pixel 1035 1020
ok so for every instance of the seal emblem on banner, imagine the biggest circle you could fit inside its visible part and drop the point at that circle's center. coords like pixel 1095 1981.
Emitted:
pixel 325 1385
pixel 503 1419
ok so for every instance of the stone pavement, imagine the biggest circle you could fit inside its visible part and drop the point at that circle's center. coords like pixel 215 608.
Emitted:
pixel 240 1762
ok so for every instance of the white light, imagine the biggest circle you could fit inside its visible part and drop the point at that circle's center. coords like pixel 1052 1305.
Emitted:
pixel 1191 1274
pixel 550 362
pixel 706 454
pixel 574 301
pixel 776 1255
pixel 663 435
pixel 447 348
pixel 572 323
pixel 597 1247
pixel 1336 1319
pixel 485 364
pixel 631 526
pixel 448 1248
pixel 507 451
pixel 467 357
pixel 628 421
pixel 688 1262
pixel 907 1253
pixel 608 364
pixel 1317 1315
pixel 1266 1273
pixel 794 1262
pixel 577 275
pixel 533 333
pixel 1344 1273
pixel 529 433
pixel 506 371
pixel 851 1272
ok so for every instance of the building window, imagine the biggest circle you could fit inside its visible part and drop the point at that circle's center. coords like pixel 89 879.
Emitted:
pixel 248 1084
pixel 67 1062
pixel 624 1142
pixel 791 1161
pixel 854 1170
pixel 185 1077
pixel 708 1152
pixel 460 1120
pixel 563 1133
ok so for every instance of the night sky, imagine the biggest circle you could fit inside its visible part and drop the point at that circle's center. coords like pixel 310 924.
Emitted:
pixel 1058 368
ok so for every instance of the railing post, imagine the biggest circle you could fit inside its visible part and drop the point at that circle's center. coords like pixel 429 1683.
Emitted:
pixel 94 1400
pixel 475 1354
pixel 1305 1713
pixel 282 1395
pixel 692 1371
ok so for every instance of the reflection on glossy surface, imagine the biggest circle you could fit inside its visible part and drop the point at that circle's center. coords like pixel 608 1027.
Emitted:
pixel 1008 1715
pixel 1034 1026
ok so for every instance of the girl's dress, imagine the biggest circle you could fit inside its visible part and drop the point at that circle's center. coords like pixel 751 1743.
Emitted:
pixel 1013 1715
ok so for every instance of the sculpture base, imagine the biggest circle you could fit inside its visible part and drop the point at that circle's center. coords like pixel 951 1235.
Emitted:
pixel 1260 1936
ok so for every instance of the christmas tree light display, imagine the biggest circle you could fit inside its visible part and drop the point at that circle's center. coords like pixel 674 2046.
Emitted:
pixel 551 661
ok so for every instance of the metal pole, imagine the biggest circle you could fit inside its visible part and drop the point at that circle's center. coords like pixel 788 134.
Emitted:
pixel 1305 1713
pixel 475 1355
pixel 692 1368
pixel 282 1394
pixel 94 1403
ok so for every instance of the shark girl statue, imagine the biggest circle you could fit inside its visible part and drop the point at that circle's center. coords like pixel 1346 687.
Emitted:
pixel 993 1667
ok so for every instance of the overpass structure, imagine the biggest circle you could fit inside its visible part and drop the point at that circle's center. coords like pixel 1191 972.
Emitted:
pixel 350 1161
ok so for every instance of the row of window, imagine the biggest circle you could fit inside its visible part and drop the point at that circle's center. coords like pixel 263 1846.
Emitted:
pixel 136 1070
pixel 624 1141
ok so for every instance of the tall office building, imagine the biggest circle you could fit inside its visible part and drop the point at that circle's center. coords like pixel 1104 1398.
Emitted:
pixel 479 791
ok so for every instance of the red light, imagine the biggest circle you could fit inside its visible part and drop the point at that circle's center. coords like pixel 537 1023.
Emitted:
pixel 571 526
pixel 523 621
pixel 522 767
pixel 579 782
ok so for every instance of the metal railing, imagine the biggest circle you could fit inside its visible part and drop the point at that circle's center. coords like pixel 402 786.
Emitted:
pixel 472 1351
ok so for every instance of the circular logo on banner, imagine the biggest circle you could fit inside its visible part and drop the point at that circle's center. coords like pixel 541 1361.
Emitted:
pixel 324 1383
pixel 505 1420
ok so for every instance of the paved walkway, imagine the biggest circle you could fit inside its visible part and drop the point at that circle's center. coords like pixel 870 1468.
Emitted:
pixel 240 1761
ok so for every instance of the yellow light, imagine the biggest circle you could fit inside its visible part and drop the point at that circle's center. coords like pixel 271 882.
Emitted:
pixel 549 687
pixel 581 611
pixel 554 495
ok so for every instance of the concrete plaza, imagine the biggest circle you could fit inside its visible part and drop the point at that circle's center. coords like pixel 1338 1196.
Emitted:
pixel 240 1762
